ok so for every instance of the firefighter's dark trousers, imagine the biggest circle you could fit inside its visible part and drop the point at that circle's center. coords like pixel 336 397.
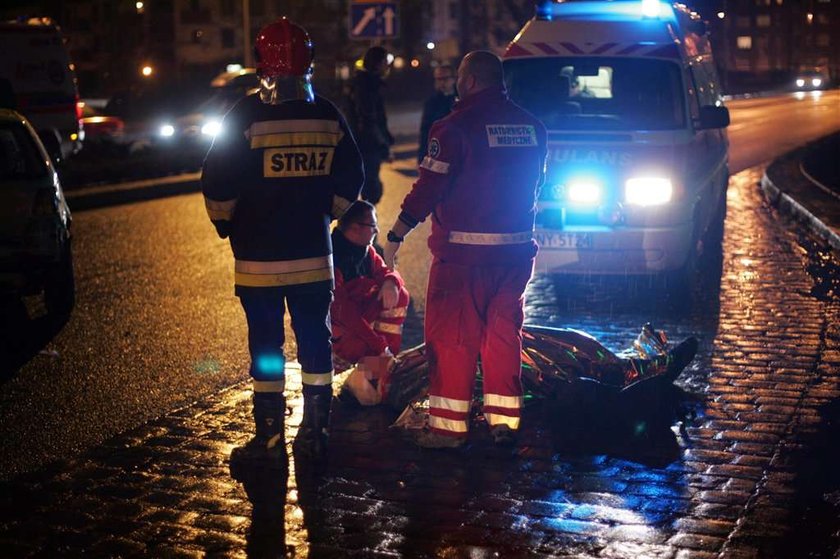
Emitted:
pixel 309 308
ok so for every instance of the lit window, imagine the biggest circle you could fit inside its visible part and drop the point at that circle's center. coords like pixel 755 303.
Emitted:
pixel 744 42
pixel 762 20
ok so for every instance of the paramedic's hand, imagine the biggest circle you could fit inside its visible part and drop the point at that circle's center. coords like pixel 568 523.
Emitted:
pixel 389 253
pixel 389 294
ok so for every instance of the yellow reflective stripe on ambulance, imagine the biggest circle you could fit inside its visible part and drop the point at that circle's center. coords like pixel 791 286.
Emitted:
pixel 499 401
pixel 317 379
pixel 444 424
pixel 451 404
pixel 494 419
pixel 220 210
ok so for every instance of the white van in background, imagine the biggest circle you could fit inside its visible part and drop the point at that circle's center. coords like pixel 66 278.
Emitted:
pixel 638 152
pixel 40 81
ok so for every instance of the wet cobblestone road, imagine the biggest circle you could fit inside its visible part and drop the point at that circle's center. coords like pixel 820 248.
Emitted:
pixel 730 484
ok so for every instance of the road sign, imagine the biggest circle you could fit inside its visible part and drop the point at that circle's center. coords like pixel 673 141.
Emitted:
pixel 373 20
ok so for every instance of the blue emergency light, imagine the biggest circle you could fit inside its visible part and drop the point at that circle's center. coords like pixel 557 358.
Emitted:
pixel 610 10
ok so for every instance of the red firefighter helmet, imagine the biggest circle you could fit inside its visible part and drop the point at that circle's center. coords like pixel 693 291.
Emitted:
pixel 283 49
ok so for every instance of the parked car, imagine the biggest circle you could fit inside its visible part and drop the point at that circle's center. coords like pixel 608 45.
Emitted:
pixel 101 128
pixel 35 221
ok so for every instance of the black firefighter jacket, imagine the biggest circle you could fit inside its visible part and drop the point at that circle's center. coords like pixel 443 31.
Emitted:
pixel 273 180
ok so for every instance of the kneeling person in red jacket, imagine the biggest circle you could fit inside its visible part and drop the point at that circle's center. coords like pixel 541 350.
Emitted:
pixel 370 300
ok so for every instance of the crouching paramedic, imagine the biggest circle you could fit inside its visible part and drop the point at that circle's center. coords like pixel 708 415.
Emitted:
pixel 284 166
pixel 371 301
pixel 480 179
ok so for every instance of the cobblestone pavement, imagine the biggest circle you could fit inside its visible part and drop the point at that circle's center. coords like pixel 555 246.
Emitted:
pixel 742 479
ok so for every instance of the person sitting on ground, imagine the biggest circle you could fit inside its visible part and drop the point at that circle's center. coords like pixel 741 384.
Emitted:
pixel 370 300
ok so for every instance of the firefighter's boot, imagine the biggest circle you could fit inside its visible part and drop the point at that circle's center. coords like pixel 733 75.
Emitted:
pixel 268 447
pixel 313 435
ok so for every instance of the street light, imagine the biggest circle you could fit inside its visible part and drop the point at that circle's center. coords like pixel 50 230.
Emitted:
pixel 430 45
pixel 147 71
pixel 721 15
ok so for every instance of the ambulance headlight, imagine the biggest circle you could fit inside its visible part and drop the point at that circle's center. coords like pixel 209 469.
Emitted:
pixel 816 82
pixel 211 128
pixel 800 82
pixel 648 191
pixel 166 130
pixel 584 192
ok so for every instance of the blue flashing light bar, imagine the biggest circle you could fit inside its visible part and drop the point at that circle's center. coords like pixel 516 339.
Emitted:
pixel 626 10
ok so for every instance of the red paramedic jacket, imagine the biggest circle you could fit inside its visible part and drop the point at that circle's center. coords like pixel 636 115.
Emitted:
pixel 480 180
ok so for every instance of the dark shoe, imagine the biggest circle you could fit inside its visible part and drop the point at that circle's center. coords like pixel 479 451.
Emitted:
pixel 503 435
pixel 255 454
pixel 430 439
pixel 313 434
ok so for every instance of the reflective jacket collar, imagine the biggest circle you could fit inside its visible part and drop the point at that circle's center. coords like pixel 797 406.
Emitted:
pixel 489 95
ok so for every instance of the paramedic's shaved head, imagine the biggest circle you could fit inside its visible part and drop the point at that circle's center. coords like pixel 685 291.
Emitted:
pixel 479 70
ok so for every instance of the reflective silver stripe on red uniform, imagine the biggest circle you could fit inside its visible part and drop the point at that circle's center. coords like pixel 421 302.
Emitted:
pixel 434 165
pixel 450 404
pixel 386 328
pixel 452 425
pixel 468 238
pixel 396 312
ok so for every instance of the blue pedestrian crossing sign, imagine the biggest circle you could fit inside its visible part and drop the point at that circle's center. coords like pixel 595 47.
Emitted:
pixel 373 20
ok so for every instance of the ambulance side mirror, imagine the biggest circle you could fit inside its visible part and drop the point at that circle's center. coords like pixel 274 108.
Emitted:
pixel 713 117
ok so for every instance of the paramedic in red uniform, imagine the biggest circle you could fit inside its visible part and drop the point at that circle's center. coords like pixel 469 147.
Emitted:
pixel 370 300
pixel 284 166
pixel 479 182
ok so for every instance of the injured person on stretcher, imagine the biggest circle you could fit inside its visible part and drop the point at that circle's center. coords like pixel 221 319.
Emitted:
pixel 370 301
pixel 557 363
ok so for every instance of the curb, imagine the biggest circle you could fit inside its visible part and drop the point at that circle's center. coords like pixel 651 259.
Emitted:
pixel 135 191
pixel 787 205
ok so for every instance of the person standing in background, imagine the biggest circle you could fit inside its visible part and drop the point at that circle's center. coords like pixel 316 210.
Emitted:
pixel 437 106
pixel 369 121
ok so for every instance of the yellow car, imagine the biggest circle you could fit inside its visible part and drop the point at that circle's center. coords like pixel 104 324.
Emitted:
pixel 35 252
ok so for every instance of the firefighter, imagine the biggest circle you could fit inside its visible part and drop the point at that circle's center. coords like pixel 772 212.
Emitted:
pixel 371 301
pixel 480 180
pixel 284 166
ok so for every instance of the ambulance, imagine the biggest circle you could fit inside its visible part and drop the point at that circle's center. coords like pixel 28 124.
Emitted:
pixel 37 74
pixel 638 153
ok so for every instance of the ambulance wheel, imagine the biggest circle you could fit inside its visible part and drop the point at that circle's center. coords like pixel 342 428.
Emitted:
pixel 60 286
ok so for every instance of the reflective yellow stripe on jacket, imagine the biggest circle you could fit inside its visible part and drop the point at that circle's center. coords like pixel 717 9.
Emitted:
pixel 276 133
pixel 249 273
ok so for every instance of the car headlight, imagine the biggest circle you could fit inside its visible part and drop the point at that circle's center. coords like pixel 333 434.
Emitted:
pixel 211 128
pixel 648 191
pixel 800 82
pixel 584 191
pixel 816 82
pixel 167 130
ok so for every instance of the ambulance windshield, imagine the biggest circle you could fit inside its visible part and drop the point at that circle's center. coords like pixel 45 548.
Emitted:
pixel 584 93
